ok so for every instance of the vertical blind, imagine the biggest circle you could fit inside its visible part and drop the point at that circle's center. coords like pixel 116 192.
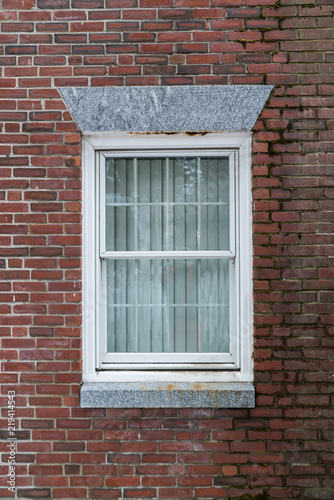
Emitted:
pixel 167 204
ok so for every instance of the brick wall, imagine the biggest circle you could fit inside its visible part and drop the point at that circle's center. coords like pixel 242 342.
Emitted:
pixel 281 449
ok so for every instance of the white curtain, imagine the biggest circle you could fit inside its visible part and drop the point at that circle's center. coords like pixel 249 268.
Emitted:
pixel 166 204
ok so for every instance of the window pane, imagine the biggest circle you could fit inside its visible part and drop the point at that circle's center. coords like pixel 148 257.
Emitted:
pixel 168 305
pixel 167 204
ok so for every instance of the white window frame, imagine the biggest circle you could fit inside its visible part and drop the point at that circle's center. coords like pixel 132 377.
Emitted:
pixel 165 367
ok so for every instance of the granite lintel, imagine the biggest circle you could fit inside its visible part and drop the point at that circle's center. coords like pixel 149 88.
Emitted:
pixel 207 108
pixel 162 395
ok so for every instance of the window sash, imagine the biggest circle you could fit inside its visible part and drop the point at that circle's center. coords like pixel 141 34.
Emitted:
pixel 169 360
pixel 174 360
pixel 168 306
pixel 230 155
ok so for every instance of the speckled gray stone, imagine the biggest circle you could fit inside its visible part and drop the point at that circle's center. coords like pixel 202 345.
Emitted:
pixel 166 109
pixel 173 395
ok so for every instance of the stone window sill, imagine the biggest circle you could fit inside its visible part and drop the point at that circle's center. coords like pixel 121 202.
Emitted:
pixel 162 395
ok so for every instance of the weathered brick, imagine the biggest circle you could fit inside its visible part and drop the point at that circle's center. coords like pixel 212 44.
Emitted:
pixel 169 453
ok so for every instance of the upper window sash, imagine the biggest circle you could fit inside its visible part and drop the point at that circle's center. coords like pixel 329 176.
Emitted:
pixel 180 254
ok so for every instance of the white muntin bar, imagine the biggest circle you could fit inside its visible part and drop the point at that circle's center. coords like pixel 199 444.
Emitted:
pixel 168 255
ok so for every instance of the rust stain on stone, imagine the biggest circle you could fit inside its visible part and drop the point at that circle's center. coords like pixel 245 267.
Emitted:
pixel 187 132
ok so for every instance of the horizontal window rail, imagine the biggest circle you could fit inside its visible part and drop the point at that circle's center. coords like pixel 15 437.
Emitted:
pixel 168 255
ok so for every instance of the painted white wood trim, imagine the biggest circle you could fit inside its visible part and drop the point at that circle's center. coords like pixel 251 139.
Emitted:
pixel 235 200
pixel 89 259
pixel 166 357
pixel 101 221
pixel 187 254
pixel 128 140
pixel 171 152
pixel 91 318
pixel 246 266
pixel 167 376
pixel 168 366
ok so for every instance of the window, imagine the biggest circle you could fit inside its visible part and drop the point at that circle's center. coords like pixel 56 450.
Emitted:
pixel 168 274
pixel 167 307
pixel 167 250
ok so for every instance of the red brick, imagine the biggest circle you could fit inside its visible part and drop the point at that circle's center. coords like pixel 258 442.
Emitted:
pixel 209 13
pixel 175 492
pixel 235 458
pixel 77 45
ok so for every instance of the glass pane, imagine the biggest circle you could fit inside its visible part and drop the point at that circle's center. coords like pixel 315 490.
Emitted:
pixel 168 305
pixel 167 204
